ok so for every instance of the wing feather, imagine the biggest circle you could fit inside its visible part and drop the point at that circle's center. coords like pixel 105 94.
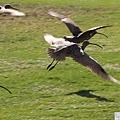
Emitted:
pixel 74 29
pixel 93 66
pixel 59 55
pixel 99 27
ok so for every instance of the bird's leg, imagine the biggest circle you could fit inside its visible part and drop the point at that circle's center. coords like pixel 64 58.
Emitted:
pixel 50 64
pixel 53 66
pixel 6 89
pixel 102 34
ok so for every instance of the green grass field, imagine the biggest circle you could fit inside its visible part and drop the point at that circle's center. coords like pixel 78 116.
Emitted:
pixel 70 91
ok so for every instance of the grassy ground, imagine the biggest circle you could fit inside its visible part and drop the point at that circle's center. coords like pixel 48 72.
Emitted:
pixel 63 93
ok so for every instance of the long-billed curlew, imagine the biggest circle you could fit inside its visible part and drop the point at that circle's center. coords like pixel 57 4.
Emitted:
pixel 5 89
pixel 8 9
pixel 75 51
pixel 60 43
pixel 78 35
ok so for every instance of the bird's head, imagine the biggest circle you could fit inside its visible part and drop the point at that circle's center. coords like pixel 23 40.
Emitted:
pixel 92 32
pixel 8 6
pixel 86 43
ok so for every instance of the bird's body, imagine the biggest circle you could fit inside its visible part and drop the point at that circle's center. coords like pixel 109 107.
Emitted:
pixel 75 51
pixel 88 34
pixel 11 11
pixel 78 35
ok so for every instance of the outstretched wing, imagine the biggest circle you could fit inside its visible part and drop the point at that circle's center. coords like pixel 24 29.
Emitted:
pixel 74 29
pixel 99 27
pixel 57 42
pixel 93 66
pixel 53 41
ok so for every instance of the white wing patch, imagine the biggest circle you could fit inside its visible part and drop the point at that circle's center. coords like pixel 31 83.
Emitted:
pixel 56 42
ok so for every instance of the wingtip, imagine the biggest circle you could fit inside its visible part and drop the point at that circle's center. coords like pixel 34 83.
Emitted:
pixel 105 26
pixel 113 79
pixel 48 38
pixel 109 25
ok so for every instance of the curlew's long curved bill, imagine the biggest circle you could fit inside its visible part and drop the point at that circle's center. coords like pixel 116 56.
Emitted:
pixel 14 8
pixel 102 34
pixel 96 45
pixel 6 89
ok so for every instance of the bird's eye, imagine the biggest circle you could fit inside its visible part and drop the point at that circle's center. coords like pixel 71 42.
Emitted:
pixel 91 34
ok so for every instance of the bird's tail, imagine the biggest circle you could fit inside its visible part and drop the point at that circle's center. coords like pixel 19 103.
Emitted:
pixel 50 52
pixel 56 54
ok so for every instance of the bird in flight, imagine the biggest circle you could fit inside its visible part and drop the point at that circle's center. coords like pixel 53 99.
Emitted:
pixel 65 49
pixel 78 35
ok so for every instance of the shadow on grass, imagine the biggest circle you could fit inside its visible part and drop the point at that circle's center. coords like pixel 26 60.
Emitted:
pixel 88 94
